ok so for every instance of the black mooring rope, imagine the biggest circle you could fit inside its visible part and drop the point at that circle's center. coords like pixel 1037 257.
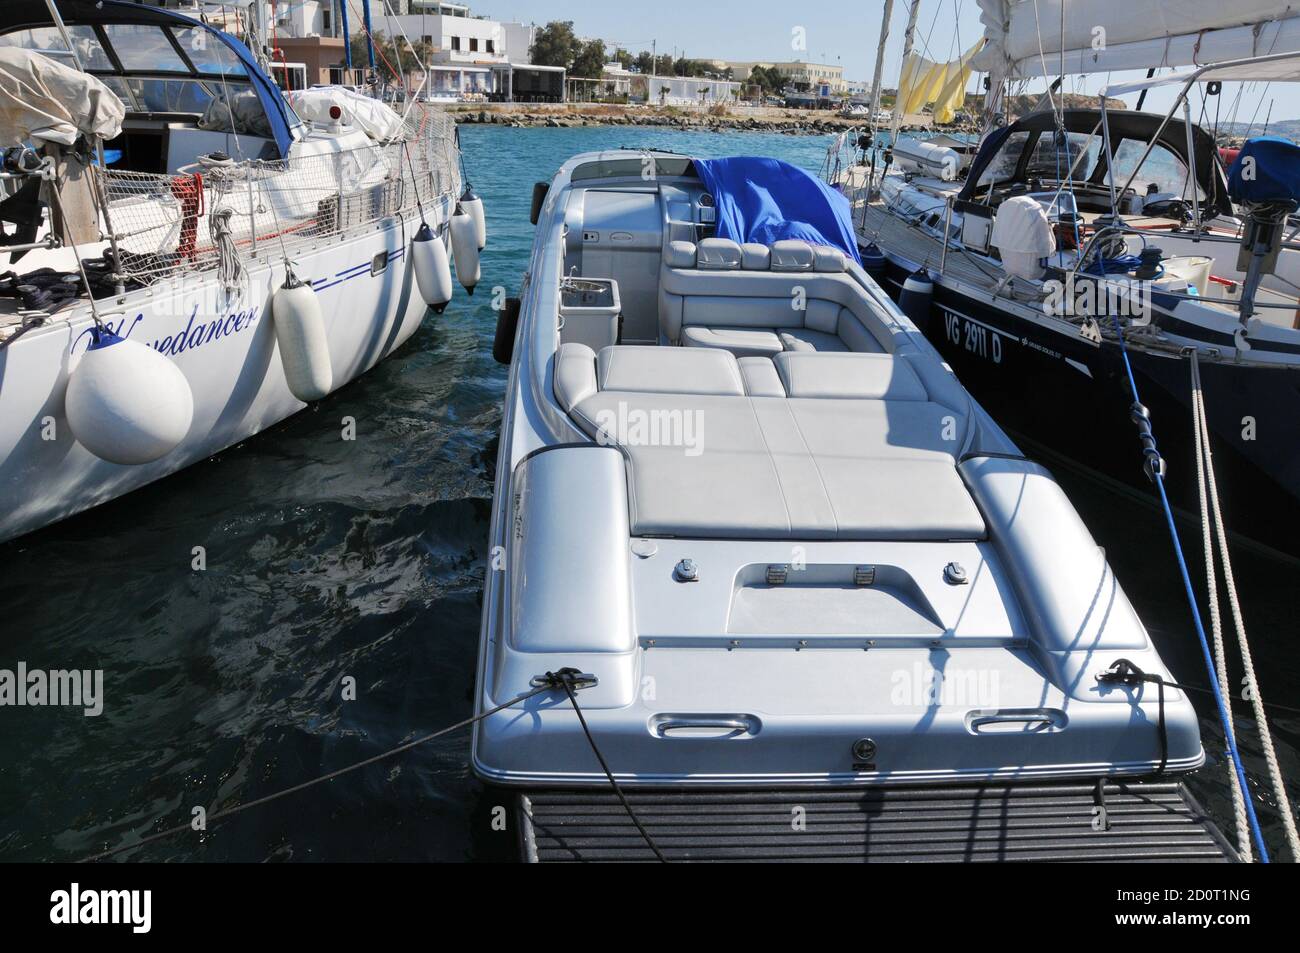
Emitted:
pixel 407 746
pixel 1126 672
pixel 564 678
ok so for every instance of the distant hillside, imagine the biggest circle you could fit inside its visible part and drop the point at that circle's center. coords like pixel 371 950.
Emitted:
pixel 1287 128
pixel 1023 105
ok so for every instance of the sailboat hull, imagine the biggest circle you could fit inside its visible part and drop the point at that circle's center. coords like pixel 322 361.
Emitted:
pixel 1069 397
pixel 224 344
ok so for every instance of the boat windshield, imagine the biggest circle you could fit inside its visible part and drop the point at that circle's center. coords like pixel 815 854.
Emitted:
pixel 152 69
pixel 1161 172
pixel 1003 166
pixel 1057 158
pixel 1052 157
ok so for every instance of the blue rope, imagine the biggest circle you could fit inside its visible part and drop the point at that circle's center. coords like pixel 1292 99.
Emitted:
pixel 1156 475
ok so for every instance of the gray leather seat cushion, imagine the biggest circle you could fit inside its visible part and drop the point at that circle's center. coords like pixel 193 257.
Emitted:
pixel 828 259
pixel 741 342
pixel 755 257
pixel 680 254
pixel 900 499
pixel 699 465
pixel 806 339
pixel 761 378
pixel 717 450
pixel 849 376
pixel 856 430
pixel 791 254
pixel 717 254
pixel 764 468
pixel 668 370
pixel 575 374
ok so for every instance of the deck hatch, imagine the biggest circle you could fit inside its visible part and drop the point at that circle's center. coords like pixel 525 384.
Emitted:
pixel 830 600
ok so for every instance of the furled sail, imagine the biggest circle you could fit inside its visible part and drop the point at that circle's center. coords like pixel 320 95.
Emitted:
pixel 922 82
pixel 1025 36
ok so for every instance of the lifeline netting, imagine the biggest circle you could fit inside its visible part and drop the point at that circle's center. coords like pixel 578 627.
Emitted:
pixel 162 222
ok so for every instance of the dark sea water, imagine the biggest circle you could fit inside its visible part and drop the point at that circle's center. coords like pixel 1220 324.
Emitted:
pixel 329 558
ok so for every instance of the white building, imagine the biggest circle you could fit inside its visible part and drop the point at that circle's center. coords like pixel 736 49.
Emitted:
pixel 467 55
pixel 690 91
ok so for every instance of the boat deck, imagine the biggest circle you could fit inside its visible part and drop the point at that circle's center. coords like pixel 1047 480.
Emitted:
pixel 1147 821
pixel 875 224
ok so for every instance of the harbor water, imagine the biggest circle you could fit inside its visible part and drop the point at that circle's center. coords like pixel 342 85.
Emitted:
pixel 347 547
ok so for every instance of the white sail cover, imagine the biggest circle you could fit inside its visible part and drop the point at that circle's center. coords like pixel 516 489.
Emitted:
pixel 1024 36
pixel 45 100
pixel 371 116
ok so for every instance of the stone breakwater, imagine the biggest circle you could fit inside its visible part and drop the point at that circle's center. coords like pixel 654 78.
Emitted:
pixel 790 122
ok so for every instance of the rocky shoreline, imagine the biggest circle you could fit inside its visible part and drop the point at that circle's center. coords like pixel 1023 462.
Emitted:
pixel 801 123
pixel 770 119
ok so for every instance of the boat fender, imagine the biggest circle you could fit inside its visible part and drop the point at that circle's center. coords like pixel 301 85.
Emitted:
pixel 472 204
pixel 464 248
pixel 126 403
pixel 874 263
pixel 503 345
pixel 916 297
pixel 432 268
pixel 300 334
pixel 539 199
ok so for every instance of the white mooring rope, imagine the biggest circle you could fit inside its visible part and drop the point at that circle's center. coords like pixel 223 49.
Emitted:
pixel 229 266
pixel 1209 490
pixel 1216 627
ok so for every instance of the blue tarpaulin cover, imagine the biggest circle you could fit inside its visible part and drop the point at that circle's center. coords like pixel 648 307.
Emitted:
pixel 1274 171
pixel 765 200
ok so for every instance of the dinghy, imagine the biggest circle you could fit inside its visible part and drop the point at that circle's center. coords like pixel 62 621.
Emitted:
pixel 757 555
pixel 186 259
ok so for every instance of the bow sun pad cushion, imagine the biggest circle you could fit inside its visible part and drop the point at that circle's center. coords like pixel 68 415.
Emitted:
pixel 721 449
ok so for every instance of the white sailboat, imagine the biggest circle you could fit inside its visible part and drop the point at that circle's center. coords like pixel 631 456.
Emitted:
pixel 190 259
pixel 978 243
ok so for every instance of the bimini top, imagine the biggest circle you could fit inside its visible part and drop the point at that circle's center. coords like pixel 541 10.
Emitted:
pixel 155 60
pixel 766 200
pixel 1135 126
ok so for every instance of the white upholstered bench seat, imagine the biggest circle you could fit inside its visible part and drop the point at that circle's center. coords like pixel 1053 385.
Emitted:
pixel 806 446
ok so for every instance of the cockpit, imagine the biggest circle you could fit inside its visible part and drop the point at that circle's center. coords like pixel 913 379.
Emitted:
pixel 189 89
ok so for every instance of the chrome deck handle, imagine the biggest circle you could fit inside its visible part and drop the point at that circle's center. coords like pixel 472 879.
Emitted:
pixel 737 726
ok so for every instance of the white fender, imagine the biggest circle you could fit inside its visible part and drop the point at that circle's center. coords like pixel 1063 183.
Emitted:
pixel 126 403
pixel 472 204
pixel 303 344
pixel 464 247
pixel 432 268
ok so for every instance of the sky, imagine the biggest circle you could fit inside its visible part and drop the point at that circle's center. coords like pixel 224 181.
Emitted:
pixel 834 31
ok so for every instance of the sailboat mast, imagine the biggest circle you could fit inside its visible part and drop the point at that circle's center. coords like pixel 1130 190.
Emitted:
pixel 880 62
pixel 347 38
pixel 370 34
pixel 908 34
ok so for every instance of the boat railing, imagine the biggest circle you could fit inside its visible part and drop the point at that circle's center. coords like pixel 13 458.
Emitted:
pixel 164 225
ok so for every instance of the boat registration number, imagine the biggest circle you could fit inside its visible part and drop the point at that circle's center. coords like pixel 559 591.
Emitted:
pixel 974 337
